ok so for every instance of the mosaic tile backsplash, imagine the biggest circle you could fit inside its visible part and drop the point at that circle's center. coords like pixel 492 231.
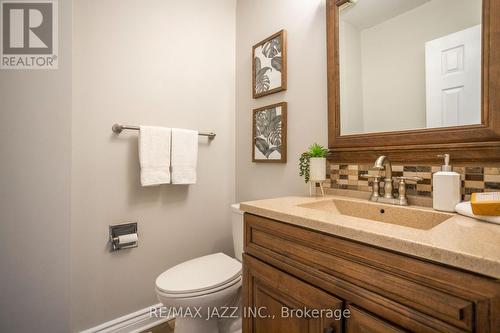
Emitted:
pixel 474 179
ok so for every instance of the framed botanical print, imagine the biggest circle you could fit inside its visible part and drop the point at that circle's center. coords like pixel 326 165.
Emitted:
pixel 269 65
pixel 269 133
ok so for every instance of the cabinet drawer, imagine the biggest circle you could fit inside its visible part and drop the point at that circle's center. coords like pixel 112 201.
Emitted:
pixel 363 322
pixel 282 301
pixel 450 295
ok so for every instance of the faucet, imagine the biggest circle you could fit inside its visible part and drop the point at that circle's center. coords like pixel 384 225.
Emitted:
pixel 383 163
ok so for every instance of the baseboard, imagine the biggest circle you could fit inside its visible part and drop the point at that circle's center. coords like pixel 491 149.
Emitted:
pixel 132 323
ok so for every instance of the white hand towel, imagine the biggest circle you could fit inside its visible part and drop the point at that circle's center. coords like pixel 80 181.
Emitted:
pixel 154 155
pixel 184 156
pixel 465 208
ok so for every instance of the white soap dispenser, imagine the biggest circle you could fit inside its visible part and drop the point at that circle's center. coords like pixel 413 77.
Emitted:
pixel 446 187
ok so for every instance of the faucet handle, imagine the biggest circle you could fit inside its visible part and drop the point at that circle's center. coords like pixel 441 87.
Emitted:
pixel 375 185
pixel 411 179
pixel 368 176
pixel 402 199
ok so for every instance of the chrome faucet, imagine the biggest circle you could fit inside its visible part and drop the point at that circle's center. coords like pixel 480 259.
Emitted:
pixel 383 164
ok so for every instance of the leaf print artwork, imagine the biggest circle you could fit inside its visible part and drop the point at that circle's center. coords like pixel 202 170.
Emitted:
pixel 276 63
pixel 268 131
pixel 272 48
pixel 262 82
pixel 269 65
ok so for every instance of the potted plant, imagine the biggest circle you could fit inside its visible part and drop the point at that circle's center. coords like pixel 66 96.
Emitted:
pixel 312 163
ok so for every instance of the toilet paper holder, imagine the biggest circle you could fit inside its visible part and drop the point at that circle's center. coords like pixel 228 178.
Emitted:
pixel 123 236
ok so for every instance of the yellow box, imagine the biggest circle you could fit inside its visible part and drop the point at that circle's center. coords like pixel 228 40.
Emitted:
pixel 487 204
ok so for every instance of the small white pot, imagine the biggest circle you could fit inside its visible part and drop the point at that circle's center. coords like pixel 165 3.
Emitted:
pixel 317 169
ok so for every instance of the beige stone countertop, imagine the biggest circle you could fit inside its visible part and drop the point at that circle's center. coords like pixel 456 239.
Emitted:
pixel 459 241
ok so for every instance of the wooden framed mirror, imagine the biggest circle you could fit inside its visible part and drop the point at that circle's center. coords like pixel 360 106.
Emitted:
pixel 468 119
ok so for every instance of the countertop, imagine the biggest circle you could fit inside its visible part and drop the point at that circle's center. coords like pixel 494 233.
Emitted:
pixel 459 241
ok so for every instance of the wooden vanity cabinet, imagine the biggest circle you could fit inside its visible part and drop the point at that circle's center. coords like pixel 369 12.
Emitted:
pixel 273 291
pixel 294 268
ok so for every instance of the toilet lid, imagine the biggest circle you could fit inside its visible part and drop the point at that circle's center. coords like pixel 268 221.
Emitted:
pixel 199 274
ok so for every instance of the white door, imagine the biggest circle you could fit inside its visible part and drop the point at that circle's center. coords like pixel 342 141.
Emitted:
pixel 453 79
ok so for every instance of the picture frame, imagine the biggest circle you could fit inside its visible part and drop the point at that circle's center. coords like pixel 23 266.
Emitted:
pixel 269 133
pixel 269 65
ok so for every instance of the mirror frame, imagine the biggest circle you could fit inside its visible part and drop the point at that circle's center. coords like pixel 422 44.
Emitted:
pixel 466 144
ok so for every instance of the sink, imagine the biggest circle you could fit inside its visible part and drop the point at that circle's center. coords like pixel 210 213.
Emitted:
pixel 404 216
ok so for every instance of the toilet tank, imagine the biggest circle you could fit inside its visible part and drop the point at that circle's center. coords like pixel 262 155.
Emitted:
pixel 237 226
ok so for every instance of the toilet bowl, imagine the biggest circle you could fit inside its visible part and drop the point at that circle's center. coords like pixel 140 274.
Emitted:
pixel 205 291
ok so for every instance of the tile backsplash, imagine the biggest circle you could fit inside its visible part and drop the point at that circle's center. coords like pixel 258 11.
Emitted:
pixel 474 178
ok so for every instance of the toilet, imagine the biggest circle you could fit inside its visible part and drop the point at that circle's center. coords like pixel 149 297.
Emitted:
pixel 197 287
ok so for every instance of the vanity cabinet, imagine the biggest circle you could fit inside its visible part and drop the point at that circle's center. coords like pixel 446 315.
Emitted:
pixel 291 267
pixel 273 291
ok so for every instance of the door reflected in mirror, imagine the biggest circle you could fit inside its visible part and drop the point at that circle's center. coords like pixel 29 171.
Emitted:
pixel 409 64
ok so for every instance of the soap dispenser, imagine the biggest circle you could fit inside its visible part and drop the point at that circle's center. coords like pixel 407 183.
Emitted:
pixel 446 187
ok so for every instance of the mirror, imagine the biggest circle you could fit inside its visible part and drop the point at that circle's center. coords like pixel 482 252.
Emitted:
pixel 409 64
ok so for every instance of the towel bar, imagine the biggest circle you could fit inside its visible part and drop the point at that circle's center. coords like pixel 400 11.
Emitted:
pixel 117 128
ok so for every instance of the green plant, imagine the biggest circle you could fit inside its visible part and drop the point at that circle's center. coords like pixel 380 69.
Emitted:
pixel 304 166
pixel 315 150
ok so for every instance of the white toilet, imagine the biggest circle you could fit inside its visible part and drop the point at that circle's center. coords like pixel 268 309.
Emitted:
pixel 200 285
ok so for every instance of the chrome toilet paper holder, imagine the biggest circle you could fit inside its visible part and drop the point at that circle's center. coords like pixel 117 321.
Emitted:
pixel 124 229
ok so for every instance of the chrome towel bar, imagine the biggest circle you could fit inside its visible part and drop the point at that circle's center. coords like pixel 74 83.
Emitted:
pixel 117 128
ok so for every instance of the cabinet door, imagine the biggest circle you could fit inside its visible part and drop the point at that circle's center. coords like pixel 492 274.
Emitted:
pixel 360 321
pixel 277 302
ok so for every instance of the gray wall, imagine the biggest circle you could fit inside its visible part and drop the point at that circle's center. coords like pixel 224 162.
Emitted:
pixel 168 63
pixel 165 63
pixel 306 94
pixel 35 150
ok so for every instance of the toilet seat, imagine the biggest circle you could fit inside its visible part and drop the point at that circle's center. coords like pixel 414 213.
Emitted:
pixel 235 282
pixel 200 276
